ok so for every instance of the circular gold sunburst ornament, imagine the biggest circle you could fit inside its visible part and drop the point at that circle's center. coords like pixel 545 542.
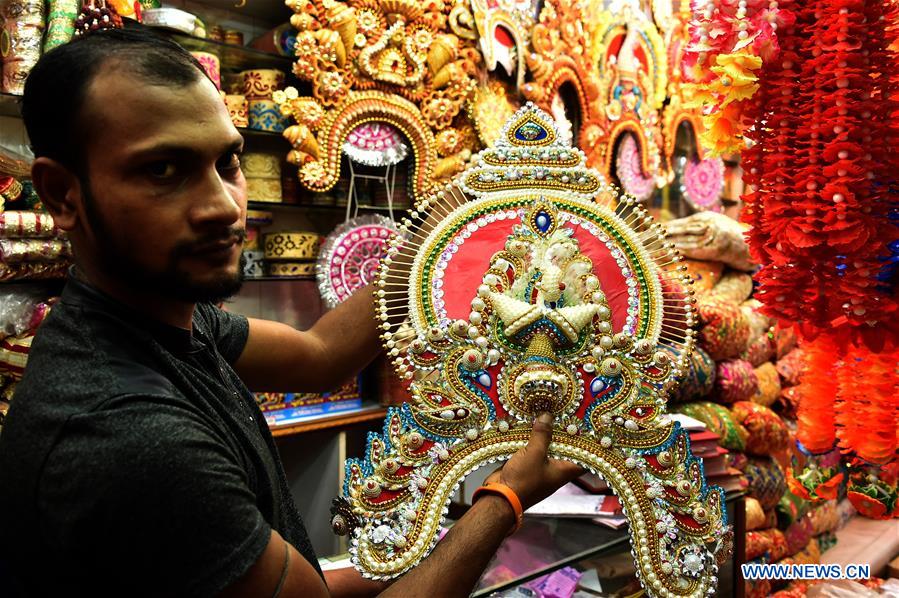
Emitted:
pixel 537 290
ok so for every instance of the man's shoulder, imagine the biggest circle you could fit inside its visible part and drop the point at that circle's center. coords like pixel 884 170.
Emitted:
pixel 77 351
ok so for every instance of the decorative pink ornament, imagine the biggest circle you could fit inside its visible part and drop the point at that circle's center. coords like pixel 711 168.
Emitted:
pixel 376 144
pixel 629 169
pixel 703 182
pixel 349 257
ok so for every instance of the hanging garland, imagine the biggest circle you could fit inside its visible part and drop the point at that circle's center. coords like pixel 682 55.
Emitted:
pixel 729 43
pixel 817 106
pixel 821 169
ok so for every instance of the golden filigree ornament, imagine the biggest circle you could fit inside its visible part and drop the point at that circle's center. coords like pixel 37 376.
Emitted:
pixel 490 109
pixel 560 66
pixel 504 28
pixel 391 62
pixel 630 55
pixel 574 314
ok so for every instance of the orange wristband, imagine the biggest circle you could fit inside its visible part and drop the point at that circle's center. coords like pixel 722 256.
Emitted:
pixel 508 494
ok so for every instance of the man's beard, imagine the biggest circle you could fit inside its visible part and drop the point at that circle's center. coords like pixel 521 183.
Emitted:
pixel 171 282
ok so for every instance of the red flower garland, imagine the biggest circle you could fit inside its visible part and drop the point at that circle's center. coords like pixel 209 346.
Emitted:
pixel 822 166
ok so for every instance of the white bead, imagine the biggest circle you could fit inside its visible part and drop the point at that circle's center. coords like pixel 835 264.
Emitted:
pixel 475 318
pixel 606 342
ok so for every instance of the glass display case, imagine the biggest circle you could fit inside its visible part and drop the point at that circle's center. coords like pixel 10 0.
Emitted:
pixel 598 558
pixel 579 555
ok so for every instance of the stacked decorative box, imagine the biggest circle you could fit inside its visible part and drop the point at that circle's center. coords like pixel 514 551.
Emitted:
pixel 263 174
pixel 291 254
pixel 287 408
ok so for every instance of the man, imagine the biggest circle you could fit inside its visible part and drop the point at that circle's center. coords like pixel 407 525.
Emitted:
pixel 134 461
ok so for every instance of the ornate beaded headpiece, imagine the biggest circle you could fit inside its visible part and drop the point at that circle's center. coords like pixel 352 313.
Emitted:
pixel 576 312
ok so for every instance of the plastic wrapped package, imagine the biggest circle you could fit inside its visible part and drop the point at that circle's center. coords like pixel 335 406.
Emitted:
pixel 22 23
pixel 33 271
pixel 20 224
pixel 719 420
pixel 790 367
pixel 760 588
pixel 724 332
pixel 61 22
pixel 791 509
pixel 767 482
pixel 798 536
pixel 785 336
pixel 18 308
pixel 810 554
pixel 699 380
pixel 735 381
pixel 734 286
pixel 767 433
pixel 14 355
pixel 768 390
pixel 760 350
pixel 705 275
pixel 14 251
pixel 825 518
pixel 770 543
pixel 755 515
pixel 759 323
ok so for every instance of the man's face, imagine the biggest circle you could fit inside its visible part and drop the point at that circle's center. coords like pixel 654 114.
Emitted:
pixel 164 197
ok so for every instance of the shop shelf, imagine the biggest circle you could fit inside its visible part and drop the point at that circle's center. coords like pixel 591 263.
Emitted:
pixel 366 413
pixel 233 58
pixel 568 542
pixel 272 13
pixel 10 105
pixel 279 278
pixel 256 134
pixel 270 206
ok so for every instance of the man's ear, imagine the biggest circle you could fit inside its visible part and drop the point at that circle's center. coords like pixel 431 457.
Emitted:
pixel 59 189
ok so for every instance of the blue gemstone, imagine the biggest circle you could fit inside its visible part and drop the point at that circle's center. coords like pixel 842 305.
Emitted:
pixel 597 386
pixel 894 246
pixel 543 221
pixel 530 131
pixel 485 380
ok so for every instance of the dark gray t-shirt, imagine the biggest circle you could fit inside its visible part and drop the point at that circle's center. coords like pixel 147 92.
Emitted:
pixel 133 461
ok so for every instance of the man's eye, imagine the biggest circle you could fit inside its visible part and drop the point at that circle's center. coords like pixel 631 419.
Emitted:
pixel 230 161
pixel 162 170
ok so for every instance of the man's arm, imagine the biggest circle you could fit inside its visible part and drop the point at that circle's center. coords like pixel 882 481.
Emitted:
pixel 459 559
pixel 279 358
